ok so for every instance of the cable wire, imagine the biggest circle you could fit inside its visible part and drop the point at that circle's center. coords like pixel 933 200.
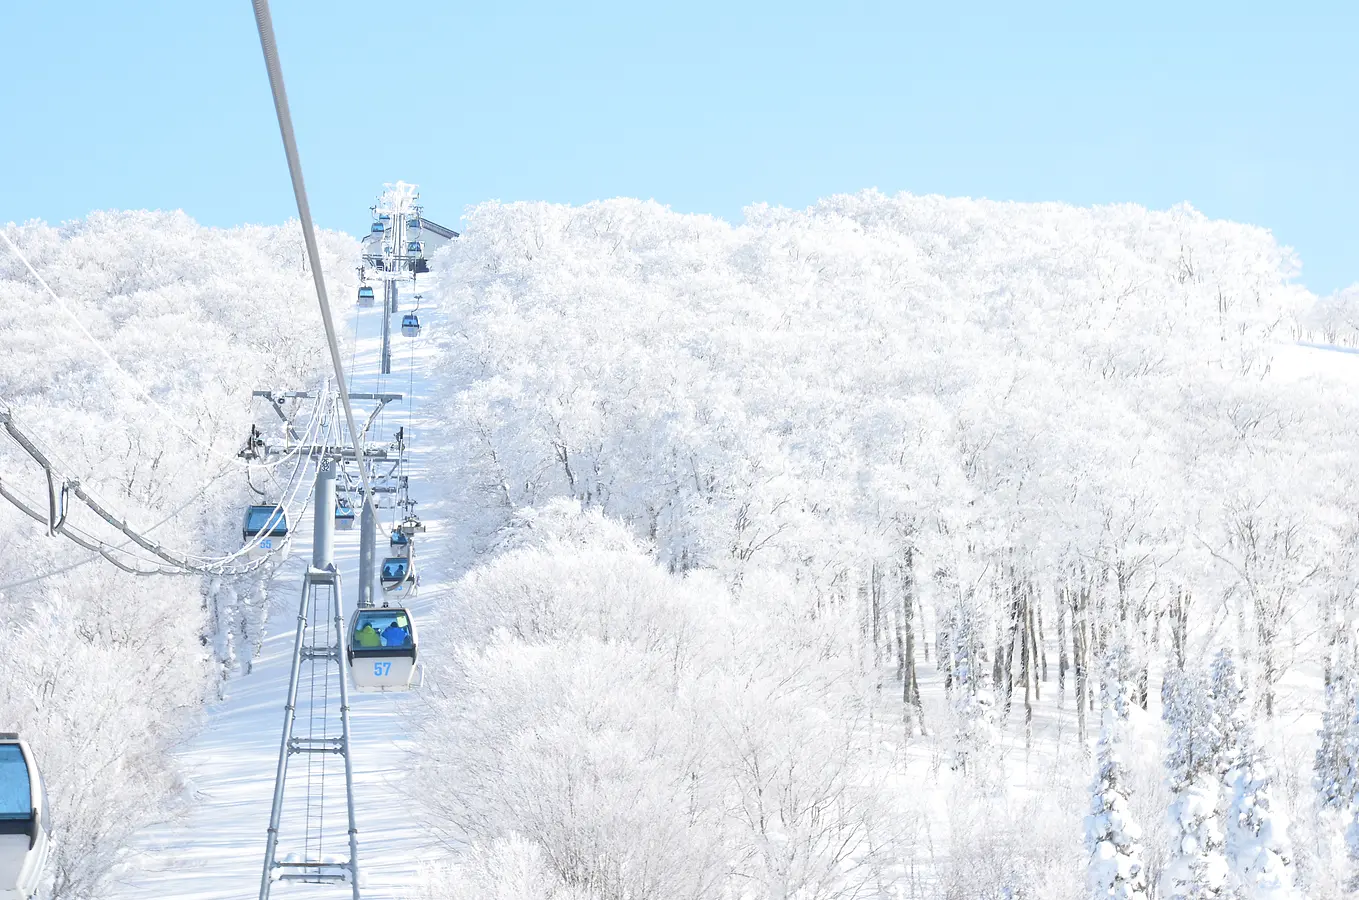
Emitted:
pixel 265 25
pixel 185 562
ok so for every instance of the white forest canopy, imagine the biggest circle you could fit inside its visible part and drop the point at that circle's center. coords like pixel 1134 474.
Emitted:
pixel 976 434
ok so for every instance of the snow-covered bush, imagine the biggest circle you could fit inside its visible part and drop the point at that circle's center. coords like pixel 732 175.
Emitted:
pixel 649 738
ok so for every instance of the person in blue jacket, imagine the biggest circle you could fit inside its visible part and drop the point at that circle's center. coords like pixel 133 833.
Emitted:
pixel 394 635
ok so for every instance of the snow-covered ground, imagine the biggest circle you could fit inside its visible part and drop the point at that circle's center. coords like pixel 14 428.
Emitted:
pixel 1303 359
pixel 216 850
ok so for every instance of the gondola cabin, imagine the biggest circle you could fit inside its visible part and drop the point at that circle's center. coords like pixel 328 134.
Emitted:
pixel 382 649
pixel 413 223
pixel 377 228
pixel 384 217
pixel 415 248
pixel 25 825
pixel 265 529
pixel 410 325
pixel 398 573
pixel 366 296
pixel 344 515
pixel 401 544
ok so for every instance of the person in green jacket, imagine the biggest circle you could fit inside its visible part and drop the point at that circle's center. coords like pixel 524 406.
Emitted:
pixel 367 636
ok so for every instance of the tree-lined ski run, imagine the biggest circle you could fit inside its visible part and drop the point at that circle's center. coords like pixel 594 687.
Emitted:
pixel 900 546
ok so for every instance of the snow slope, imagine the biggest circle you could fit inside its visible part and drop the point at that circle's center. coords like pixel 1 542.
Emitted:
pixel 1325 360
pixel 216 850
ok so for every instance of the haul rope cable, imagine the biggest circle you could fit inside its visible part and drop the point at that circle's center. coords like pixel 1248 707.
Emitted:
pixel 101 551
pixel 120 522
pixel 61 304
pixel 87 541
pixel 98 553
pixel 186 563
pixel 265 26
pixel 207 562
pixel 78 537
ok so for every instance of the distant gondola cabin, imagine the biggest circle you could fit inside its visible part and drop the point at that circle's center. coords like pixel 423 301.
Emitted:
pixel 265 528
pixel 344 514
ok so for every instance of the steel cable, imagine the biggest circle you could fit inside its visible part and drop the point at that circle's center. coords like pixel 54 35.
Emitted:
pixel 265 25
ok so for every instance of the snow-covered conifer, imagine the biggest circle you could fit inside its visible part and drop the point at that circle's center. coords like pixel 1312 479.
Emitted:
pixel 973 697
pixel 1337 759
pixel 1257 845
pixel 1116 869
pixel 1333 767
pixel 1197 867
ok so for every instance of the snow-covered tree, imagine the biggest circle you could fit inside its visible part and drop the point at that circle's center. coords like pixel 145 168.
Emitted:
pixel 1257 846
pixel 1197 869
pixel 1116 868
pixel 1064 423
pixel 968 681
pixel 1336 764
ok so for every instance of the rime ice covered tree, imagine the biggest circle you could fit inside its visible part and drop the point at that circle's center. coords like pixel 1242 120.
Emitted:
pixel 1116 869
pixel 968 680
pixel 1197 868
pixel 1026 414
pixel 1257 845
pixel 1337 759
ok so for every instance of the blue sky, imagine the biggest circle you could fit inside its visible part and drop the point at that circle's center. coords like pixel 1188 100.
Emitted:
pixel 1248 111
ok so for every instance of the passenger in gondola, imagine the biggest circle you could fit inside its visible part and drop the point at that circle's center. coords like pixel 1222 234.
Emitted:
pixel 394 635
pixel 391 570
pixel 367 636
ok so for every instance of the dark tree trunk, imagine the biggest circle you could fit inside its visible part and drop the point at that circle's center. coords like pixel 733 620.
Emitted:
pixel 1026 671
pixel 1079 636
pixel 1042 638
pixel 910 687
pixel 1063 659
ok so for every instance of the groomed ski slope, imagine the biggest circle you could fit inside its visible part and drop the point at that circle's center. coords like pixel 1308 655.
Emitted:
pixel 216 850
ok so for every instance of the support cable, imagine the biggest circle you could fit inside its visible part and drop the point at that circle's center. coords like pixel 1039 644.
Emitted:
pixel 265 25
pixel 184 566
pixel 94 546
pixel 189 562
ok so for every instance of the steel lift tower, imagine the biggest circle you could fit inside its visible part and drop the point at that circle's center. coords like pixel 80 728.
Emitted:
pixel 313 728
pixel 393 259
pixel 398 202
pixel 316 713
